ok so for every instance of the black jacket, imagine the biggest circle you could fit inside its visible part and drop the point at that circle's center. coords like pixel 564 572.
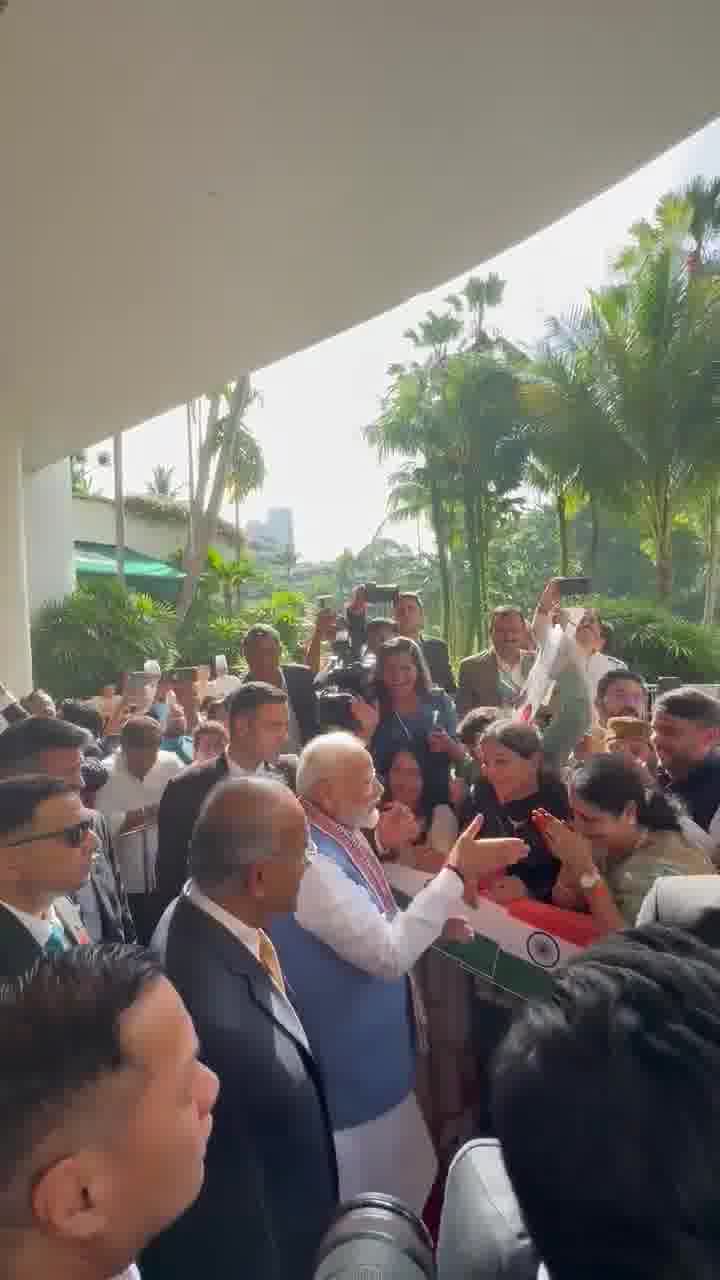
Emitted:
pixel 438 660
pixel 18 948
pixel 180 805
pixel 270 1174
pixel 699 792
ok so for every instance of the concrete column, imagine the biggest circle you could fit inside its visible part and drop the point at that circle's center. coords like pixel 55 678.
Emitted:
pixel 49 533
pixel 15 658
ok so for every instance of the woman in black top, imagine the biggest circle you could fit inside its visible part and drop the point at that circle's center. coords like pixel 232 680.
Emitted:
pixel 515 782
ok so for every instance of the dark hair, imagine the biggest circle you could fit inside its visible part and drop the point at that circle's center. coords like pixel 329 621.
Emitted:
pixel 522 739
pixel 504 611
pixel 401 644
pixel 411 595
pixel 605 1103
pixel 80 713
pixel 22 742
pixel 251 695
pixel 373 624
pixel 425 805
pixel 213 727
pixel 612 782
pixel 60 1036
pixel 611 677
pixel 259 630
pixel 475 723
pixel 227 839
pixel 20 798
pixel 690 704
pixel 140 731
pixel 707 928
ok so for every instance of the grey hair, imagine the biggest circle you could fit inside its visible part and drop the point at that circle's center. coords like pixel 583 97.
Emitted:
pixel 224 847
pixel 320 755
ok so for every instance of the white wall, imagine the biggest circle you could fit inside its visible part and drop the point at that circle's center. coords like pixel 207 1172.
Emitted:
pixel 48 533
pixel 93 520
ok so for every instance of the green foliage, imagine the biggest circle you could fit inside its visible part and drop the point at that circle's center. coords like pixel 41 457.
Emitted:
pixel 84 641
pixel 654 642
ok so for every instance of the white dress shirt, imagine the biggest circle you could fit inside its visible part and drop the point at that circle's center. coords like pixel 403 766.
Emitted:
pixel 244 932
pixel 39 926
pixel 342 914
pixel 123 793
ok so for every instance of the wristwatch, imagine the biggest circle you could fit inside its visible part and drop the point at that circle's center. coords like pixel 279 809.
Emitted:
pixel 589 880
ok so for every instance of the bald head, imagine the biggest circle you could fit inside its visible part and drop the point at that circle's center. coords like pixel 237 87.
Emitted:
pixel 336 773
pixel 244 821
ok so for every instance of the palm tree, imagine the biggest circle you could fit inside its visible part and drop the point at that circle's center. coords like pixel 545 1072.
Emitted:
pixel 161 485
pixel 653 341
pixel 246 473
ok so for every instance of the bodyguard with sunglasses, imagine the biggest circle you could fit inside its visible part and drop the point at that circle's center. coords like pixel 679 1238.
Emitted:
pixel 47 846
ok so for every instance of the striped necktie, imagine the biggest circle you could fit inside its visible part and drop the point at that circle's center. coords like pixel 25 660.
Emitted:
pixel 269 960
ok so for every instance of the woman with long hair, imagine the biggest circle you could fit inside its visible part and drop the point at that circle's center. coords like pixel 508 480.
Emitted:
pixel 516 780
pixel 414 715
pixel 437 825
pixel 625 834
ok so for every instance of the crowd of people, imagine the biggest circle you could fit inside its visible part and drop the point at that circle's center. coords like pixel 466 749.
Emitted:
pixel 212 1006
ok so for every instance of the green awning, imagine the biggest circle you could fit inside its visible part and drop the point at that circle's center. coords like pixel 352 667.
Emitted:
pixel 142 573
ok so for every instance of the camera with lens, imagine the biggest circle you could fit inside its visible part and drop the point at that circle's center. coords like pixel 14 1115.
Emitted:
pixel 378 1237
pixel 350 675
pixel 375 594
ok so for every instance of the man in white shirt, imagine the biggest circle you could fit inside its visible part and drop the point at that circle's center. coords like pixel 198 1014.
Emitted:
pixel 46 852
pixel 105 1114
pixel 138 774
pixel 347 954
pixel 271 1185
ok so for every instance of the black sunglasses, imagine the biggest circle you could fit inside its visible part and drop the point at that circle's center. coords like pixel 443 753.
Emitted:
pixel 73 836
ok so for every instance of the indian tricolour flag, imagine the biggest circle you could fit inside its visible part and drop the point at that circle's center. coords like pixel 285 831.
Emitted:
pixel 516 945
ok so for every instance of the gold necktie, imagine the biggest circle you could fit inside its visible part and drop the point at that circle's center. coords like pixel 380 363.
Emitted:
pixel 269 960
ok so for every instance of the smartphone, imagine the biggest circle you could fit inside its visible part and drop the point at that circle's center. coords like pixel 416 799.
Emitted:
pixel 574 586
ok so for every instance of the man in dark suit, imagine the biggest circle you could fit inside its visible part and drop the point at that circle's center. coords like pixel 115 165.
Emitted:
pixel 409 620
pixel 46 852
pixel 262 653
pixel 271 1177
pixel 55 748
pixel 258 724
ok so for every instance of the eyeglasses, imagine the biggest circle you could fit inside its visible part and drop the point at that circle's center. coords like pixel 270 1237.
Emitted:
pixel 73 836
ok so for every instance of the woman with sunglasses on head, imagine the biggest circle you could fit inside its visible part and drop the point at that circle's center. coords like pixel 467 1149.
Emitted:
pixel 625 835
pixel 47 846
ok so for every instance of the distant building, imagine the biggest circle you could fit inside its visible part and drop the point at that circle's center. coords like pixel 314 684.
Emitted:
pixel 274 535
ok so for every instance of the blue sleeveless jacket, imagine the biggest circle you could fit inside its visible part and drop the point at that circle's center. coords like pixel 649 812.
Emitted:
pixel 360 1027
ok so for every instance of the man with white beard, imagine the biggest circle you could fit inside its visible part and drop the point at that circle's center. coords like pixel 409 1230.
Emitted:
pixel 347 953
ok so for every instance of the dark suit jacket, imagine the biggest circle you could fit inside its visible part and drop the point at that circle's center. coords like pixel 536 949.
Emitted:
pixel 299 681
pixel 270 1176
pixel 18 948
pixel 180 805
pixel 438 660
pixel 103 901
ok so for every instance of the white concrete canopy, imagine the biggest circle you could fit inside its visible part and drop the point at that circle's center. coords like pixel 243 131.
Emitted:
pixel 191 188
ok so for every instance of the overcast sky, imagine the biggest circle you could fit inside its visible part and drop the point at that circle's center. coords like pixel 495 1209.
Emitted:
pixel 315 403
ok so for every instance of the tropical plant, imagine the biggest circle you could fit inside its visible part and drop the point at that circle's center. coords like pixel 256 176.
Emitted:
pixel 161 485
pixel 656 643
pixel 219 420
pixel 86 640
pixel 227 577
